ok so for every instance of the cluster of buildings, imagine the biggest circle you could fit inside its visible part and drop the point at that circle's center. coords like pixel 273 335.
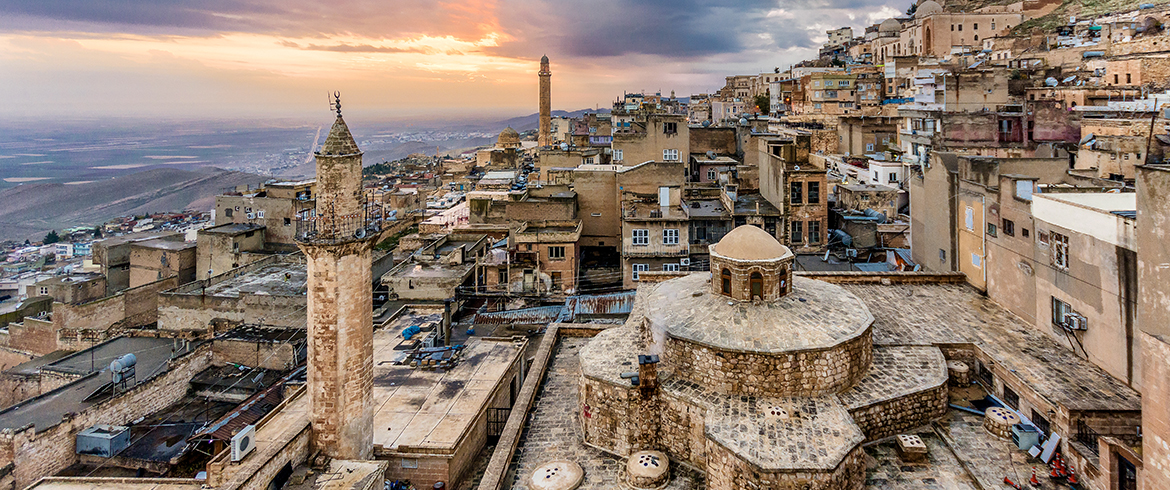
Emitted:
pixel 936 255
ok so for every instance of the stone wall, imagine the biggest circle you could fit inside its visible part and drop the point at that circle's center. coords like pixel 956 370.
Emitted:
pixel 1155 417
pixel 36 454
pixel 804 373
pixel 898 415
pixel 80 326
pixel 727 472
pixel 262 354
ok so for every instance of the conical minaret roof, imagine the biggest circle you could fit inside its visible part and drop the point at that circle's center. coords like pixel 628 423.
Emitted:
pixel 340 141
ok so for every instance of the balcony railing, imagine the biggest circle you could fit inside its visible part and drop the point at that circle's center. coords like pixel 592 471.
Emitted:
pixel 330 230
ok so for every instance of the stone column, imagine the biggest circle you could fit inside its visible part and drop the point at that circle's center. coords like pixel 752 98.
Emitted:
pixel 341 348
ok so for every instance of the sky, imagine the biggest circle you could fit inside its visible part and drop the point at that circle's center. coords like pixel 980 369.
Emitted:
pixel 396 58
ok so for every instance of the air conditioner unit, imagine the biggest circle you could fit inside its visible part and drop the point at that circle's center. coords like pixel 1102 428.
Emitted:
pixel 251 216
pixel 243 443
pixel 1074 321
pixel 684 262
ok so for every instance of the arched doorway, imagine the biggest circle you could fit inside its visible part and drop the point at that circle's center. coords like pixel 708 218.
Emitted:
pixel 926 40
pixel 726 282
pixel 783 283
pixel 757 285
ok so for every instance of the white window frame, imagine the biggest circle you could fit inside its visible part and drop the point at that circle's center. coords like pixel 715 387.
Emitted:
pixel 639 268
pixel 640 237
pixel 712 174
pixel 670 155
pixel 617 155
pixel 1059 250
pixel 561 248
pixel 670 236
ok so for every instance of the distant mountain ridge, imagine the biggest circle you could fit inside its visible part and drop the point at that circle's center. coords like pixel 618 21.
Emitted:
pixel 531 121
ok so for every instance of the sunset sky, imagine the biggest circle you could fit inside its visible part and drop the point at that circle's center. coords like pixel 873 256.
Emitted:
pixel 225 58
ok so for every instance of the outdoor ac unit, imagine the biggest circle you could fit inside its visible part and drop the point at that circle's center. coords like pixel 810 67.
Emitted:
pixel 251 216
pixel 1074 321
pixel 243 442
pixel 684 262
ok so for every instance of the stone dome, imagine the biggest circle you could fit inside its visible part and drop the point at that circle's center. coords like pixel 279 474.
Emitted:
pixel 752 243
pixel 929 7
pixel 890 25
pixel 509 138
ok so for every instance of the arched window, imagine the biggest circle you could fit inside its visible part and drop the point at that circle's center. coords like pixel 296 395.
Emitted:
pixel 757 285
pixel 726 282
pixel 783 282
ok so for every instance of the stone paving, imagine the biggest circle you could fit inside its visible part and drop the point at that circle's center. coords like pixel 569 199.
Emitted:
pixel 897 371
pixel 814 315
pixel 925 314
pixel 941 471
pixel 553 432
pixel 785 433
pixel 989 458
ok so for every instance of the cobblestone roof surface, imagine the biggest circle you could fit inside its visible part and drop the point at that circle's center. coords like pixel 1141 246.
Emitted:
pixel 814 315
pixel 926 314
pixel 897 371
pixel 785 433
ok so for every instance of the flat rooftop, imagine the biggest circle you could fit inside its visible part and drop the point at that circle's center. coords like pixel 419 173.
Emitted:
pixel 71 483
pixel 746 204
pixel 1102 201
pixel 705 208
pixel 233 228
pixel 280 279
pixel 433 409
pixel 162 244
pixel 421 270
pixel 46 410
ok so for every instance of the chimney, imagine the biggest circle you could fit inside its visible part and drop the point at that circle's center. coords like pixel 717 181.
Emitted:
pixel 647 375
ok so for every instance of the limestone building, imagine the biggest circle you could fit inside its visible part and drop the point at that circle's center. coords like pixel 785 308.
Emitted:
pixel 738 371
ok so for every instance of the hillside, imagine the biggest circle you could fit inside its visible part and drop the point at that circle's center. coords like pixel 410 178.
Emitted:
pixel 31 210
pixel 524 123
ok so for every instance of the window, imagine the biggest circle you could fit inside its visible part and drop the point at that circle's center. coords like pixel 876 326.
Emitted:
pixel 942 255
pixel 869 147
pixel 1040 422
pixel 1011 398
pixel 726 277
pixel 1024 232
pixel 1060 251
pixel 1128 80
pixel 227 212
pixel 960 27
pixel 669 127
pixel 814 192
pixel 976 26
pixel 670 267
pixel 1009 228
pixel 970 219
pixel 670 155
pixel 893 177
pixel 287 221
pixel 640 268
pixel 44 291
pixel 756 282
pixel 797 232
pixel 556 253
pixel 991 229
pixel 641 237
pixel 260 214
pixel 814 232
pixel 670 236
pixel 712 174
pixel 503 276
pixel 797 192
pixel 1060 309
pixel 1115 80
pixel 617 155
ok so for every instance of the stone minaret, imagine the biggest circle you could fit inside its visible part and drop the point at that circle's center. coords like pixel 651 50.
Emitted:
pixel 544 137
pixel 337 244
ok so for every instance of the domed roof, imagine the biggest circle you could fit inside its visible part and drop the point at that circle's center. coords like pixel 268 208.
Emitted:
pixel 509 138
pixel 749 242
pixel 890 25
pixel 929 7
pixel 544 59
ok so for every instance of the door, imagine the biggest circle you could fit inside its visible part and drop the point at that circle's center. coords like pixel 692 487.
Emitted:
pixel 757 282
pixel 1127 476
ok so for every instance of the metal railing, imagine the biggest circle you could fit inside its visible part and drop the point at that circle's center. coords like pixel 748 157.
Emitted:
pixel 328 230
pixel 1087 435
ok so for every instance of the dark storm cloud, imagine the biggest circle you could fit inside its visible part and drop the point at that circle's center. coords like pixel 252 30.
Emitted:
pixel 376 19
pixel 668 28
